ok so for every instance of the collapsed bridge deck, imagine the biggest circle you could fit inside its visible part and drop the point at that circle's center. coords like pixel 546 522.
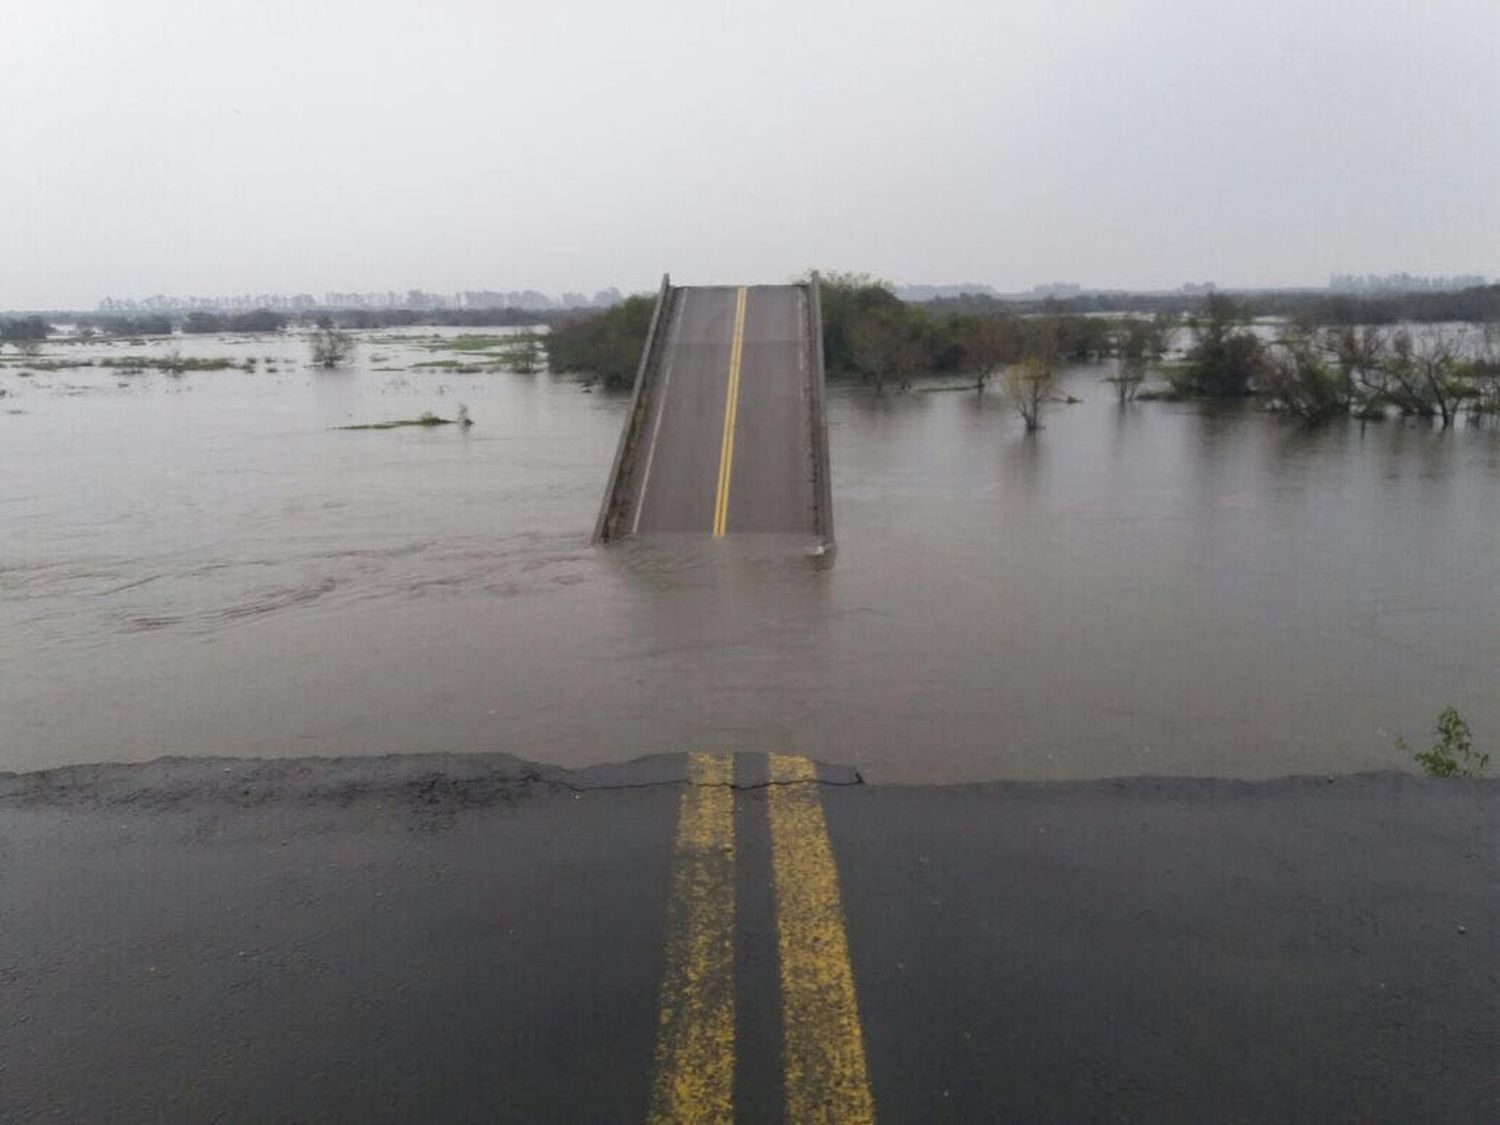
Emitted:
pixel 726 432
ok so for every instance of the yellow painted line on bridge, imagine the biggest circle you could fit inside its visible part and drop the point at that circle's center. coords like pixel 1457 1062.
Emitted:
pixel 731 409
pixel 694 1079
pixel 823 1048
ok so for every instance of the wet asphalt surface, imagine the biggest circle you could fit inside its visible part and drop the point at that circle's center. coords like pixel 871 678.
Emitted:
pixel 672 484
pixel 473 938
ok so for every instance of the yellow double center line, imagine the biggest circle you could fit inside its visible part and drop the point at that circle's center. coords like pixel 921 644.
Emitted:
pixel 731 408
pixel 695 1032
pixel 822 1044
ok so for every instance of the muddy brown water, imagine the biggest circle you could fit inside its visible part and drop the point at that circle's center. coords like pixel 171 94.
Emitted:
pixel 204 565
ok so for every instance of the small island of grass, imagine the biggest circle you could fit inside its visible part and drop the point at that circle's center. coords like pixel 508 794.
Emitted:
pixel 428 418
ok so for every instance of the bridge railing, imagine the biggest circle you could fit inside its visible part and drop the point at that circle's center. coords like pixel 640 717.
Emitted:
pixel 609 510
pixel 823 485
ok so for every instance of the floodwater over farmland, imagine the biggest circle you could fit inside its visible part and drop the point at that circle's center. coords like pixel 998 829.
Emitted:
pixel 204 564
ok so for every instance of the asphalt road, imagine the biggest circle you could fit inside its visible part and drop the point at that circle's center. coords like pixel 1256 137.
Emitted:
pixel 472 938
pixel 736 360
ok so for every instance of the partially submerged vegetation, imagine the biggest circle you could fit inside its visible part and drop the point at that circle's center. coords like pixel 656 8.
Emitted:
pixel 1312 371
pixel 467 343
pixel 1029 386
pixel 1337 357
pixel 427 419
pixel 259 320
pixel 524 353
pixel 457 366
pixel 520 352
pixel 605 345
pixel 172 363
pixel 1432 371
pixel 330 346
pixel 24 330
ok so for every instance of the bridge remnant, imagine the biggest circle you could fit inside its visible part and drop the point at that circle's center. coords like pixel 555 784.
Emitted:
pixel 726 431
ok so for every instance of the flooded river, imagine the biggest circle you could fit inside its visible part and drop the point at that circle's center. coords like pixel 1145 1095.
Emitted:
pixel 204 564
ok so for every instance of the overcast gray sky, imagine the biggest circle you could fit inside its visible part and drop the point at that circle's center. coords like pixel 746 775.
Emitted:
pixel 222 146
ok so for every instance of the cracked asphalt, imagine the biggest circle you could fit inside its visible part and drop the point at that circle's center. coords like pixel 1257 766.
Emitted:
pixel 475 937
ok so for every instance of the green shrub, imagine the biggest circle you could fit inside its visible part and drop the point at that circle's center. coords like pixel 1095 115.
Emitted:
pixel 1453 754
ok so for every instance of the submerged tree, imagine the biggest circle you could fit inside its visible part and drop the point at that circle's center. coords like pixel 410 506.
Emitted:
pixel 1424 374
pixel 1484 371
pixel 1131 345
pixel 1434 371
pixel 1028 385
pixel 1226 357
pixel 988 343
pixel 330 346
pixel 524 353
pixel 1432 362
pixel 1304 377
pixel 1161 334
pixel 886 343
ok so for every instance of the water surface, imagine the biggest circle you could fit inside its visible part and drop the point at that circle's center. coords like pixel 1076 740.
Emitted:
pixel 204 565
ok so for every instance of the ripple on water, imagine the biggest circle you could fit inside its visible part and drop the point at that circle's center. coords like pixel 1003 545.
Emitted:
pixel 205 596
pixel 258 605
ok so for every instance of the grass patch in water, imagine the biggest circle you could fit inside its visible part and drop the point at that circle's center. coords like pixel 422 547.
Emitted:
pixel 176 364
pixel 464 343
pixel 51 364
pixel 474 343
pixel 969 386
pixel 427 419
pixel 458 367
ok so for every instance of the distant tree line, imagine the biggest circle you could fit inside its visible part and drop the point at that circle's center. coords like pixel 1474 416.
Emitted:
pixel 141 324
pixel 259 320
pixel 1334 355
pixel 201 322
pixel 457 318
pixel 1477 304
